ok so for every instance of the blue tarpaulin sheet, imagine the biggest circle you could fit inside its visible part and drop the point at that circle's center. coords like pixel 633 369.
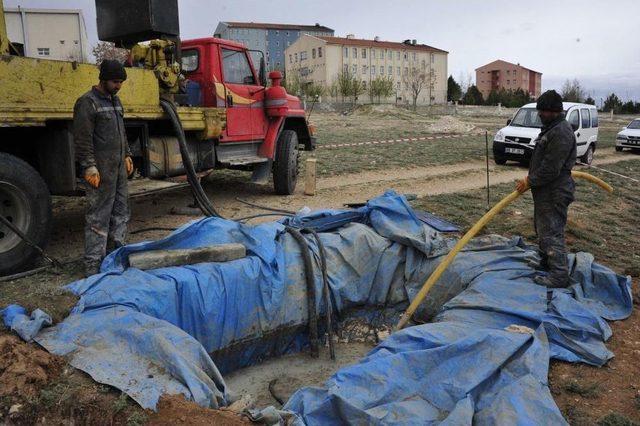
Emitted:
pixel 159 331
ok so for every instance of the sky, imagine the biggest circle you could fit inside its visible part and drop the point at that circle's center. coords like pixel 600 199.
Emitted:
pixel 593 41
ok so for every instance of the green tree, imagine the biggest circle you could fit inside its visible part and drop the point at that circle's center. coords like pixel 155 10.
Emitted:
pixel 473 96
pixel 293 84
pixel 313 90
pixel 590 101
pixel 612 103
pixel 454 92
pixel 381 87
pixel 345 83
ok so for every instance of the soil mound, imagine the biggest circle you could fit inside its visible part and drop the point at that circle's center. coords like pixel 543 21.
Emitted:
pixel 174 409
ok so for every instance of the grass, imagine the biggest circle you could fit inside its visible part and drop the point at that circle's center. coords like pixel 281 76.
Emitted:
pixel 615 419
pixel 603 224
pixel 587 390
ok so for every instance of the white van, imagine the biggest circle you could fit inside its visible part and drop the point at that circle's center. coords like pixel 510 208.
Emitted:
pixel 517 140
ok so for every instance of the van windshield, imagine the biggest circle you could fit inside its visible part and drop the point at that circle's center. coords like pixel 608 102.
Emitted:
pixel 526 117
pixel 635 124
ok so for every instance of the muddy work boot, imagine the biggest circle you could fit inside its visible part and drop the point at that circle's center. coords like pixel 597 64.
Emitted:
pixel 546 282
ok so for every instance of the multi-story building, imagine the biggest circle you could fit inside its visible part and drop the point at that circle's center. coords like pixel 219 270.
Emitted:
pixel 272 39
pixel 48 33
pixel 321 60
pixel 501 74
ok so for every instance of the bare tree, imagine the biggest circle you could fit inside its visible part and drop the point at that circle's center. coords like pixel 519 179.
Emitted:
pixel 107 50
pixel 572 91
pixel 417 80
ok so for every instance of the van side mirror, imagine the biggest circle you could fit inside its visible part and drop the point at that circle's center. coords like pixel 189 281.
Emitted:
pixel 575 126
pixel 508 122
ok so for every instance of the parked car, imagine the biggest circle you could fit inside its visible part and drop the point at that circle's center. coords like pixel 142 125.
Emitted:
pixel 629 137
pixel 516 141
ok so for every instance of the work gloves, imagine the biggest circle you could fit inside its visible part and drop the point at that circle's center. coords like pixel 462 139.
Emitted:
pixel 522 184
pixel 92 176
pixel 128 162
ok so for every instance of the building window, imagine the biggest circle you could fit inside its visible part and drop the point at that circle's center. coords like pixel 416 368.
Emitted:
pixel 406 56
pixel 277 43
pixel 266 32
pixel 398 70
pixel 381 54
pixel 508 81
pixel 406 70
pixel 414 56
pixel 364 53
pixel 277 32
pixel 287 33
pixel 43 51
pixel 390 70
pixel 290 58
pixel 345 69
pixel 373 53
pixel 75 41
pixel 514 73
pixel 313 53
pixel 381 69
pixel 354 69
pixel 433 58
pixel 61 41
pixel 398 85
pixel 295 55
pixel 373 70
pixel 508 72
pixel 303 55
pixel 355 53
pixel 346 52
pixel 398 55
pixel 319 52
pixel 389 55
pixel 364 69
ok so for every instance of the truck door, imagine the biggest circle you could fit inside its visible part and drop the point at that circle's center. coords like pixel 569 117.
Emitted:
pixel 241 91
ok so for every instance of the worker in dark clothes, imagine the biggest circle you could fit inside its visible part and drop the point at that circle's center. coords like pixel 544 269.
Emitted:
pixel 552 187
pixel 105 160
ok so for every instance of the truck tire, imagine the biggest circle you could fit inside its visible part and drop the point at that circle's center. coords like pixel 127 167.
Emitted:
pixel 285 166
pixel 501 161
pixel 24 201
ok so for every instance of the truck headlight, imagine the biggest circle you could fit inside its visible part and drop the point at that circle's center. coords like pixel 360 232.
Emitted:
pixel 499 137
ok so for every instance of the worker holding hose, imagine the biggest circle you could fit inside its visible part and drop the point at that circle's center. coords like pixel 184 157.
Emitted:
pixel 552 187
pixel 105 160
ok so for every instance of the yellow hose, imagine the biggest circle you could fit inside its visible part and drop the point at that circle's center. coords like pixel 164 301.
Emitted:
pixel 472 233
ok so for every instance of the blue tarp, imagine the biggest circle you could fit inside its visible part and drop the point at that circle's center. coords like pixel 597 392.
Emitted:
pixel 152 332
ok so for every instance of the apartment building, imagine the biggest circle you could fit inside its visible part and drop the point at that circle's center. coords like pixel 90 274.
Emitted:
pixel 321 60
pixel 501 74
pixel 272 39
pixel 48 33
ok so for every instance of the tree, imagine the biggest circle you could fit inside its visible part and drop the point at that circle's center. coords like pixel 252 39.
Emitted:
pixel 107 50
pixel 345 82
pixel 292 83
pixel 612 103
pixel 334 89
pixel 313 90
pixel 454 92
pixel 590 101
pixel 473 96
pixel 572 91
pixel 417 80
pixel 381 87
pixel 357 88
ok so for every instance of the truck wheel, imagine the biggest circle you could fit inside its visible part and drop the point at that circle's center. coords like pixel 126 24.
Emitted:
pixel 285 166
pixel 500 160
pixel 25 202
pixel 587 157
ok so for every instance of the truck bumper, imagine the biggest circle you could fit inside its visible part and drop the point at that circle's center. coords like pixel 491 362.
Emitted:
pixel 500 150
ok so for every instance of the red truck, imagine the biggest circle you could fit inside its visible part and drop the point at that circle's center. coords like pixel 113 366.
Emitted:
pixel 231 116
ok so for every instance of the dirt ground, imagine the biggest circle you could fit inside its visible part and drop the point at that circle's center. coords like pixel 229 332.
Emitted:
pixel 449 172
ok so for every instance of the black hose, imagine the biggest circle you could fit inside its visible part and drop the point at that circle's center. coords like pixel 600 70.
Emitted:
pixel 270 209
pixel 242 219
pixel 326 291
pixel 28 241
pixel 152 228
pixel 198 193
pixel 311 291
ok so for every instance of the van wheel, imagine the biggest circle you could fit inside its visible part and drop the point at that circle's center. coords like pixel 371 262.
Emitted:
pixel 285 166
pixel 500 160
pixel 587 157
pixel 26 203
pixel 619 149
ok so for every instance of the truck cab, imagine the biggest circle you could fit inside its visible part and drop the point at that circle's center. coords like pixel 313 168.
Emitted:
pixel 516 141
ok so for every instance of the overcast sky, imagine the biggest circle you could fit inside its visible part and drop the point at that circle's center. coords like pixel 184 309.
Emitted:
pixel 594 41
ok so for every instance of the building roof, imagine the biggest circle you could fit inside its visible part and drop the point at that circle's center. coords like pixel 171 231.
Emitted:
pixel 385 44
pixel 271 26
pixel 508 63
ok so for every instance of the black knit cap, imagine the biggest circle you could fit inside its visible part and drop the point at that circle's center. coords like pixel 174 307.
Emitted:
pixel 550 101
pixel 112 70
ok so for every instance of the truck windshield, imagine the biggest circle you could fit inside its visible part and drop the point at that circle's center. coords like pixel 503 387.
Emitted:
pixel 635 124
pixel 526 117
